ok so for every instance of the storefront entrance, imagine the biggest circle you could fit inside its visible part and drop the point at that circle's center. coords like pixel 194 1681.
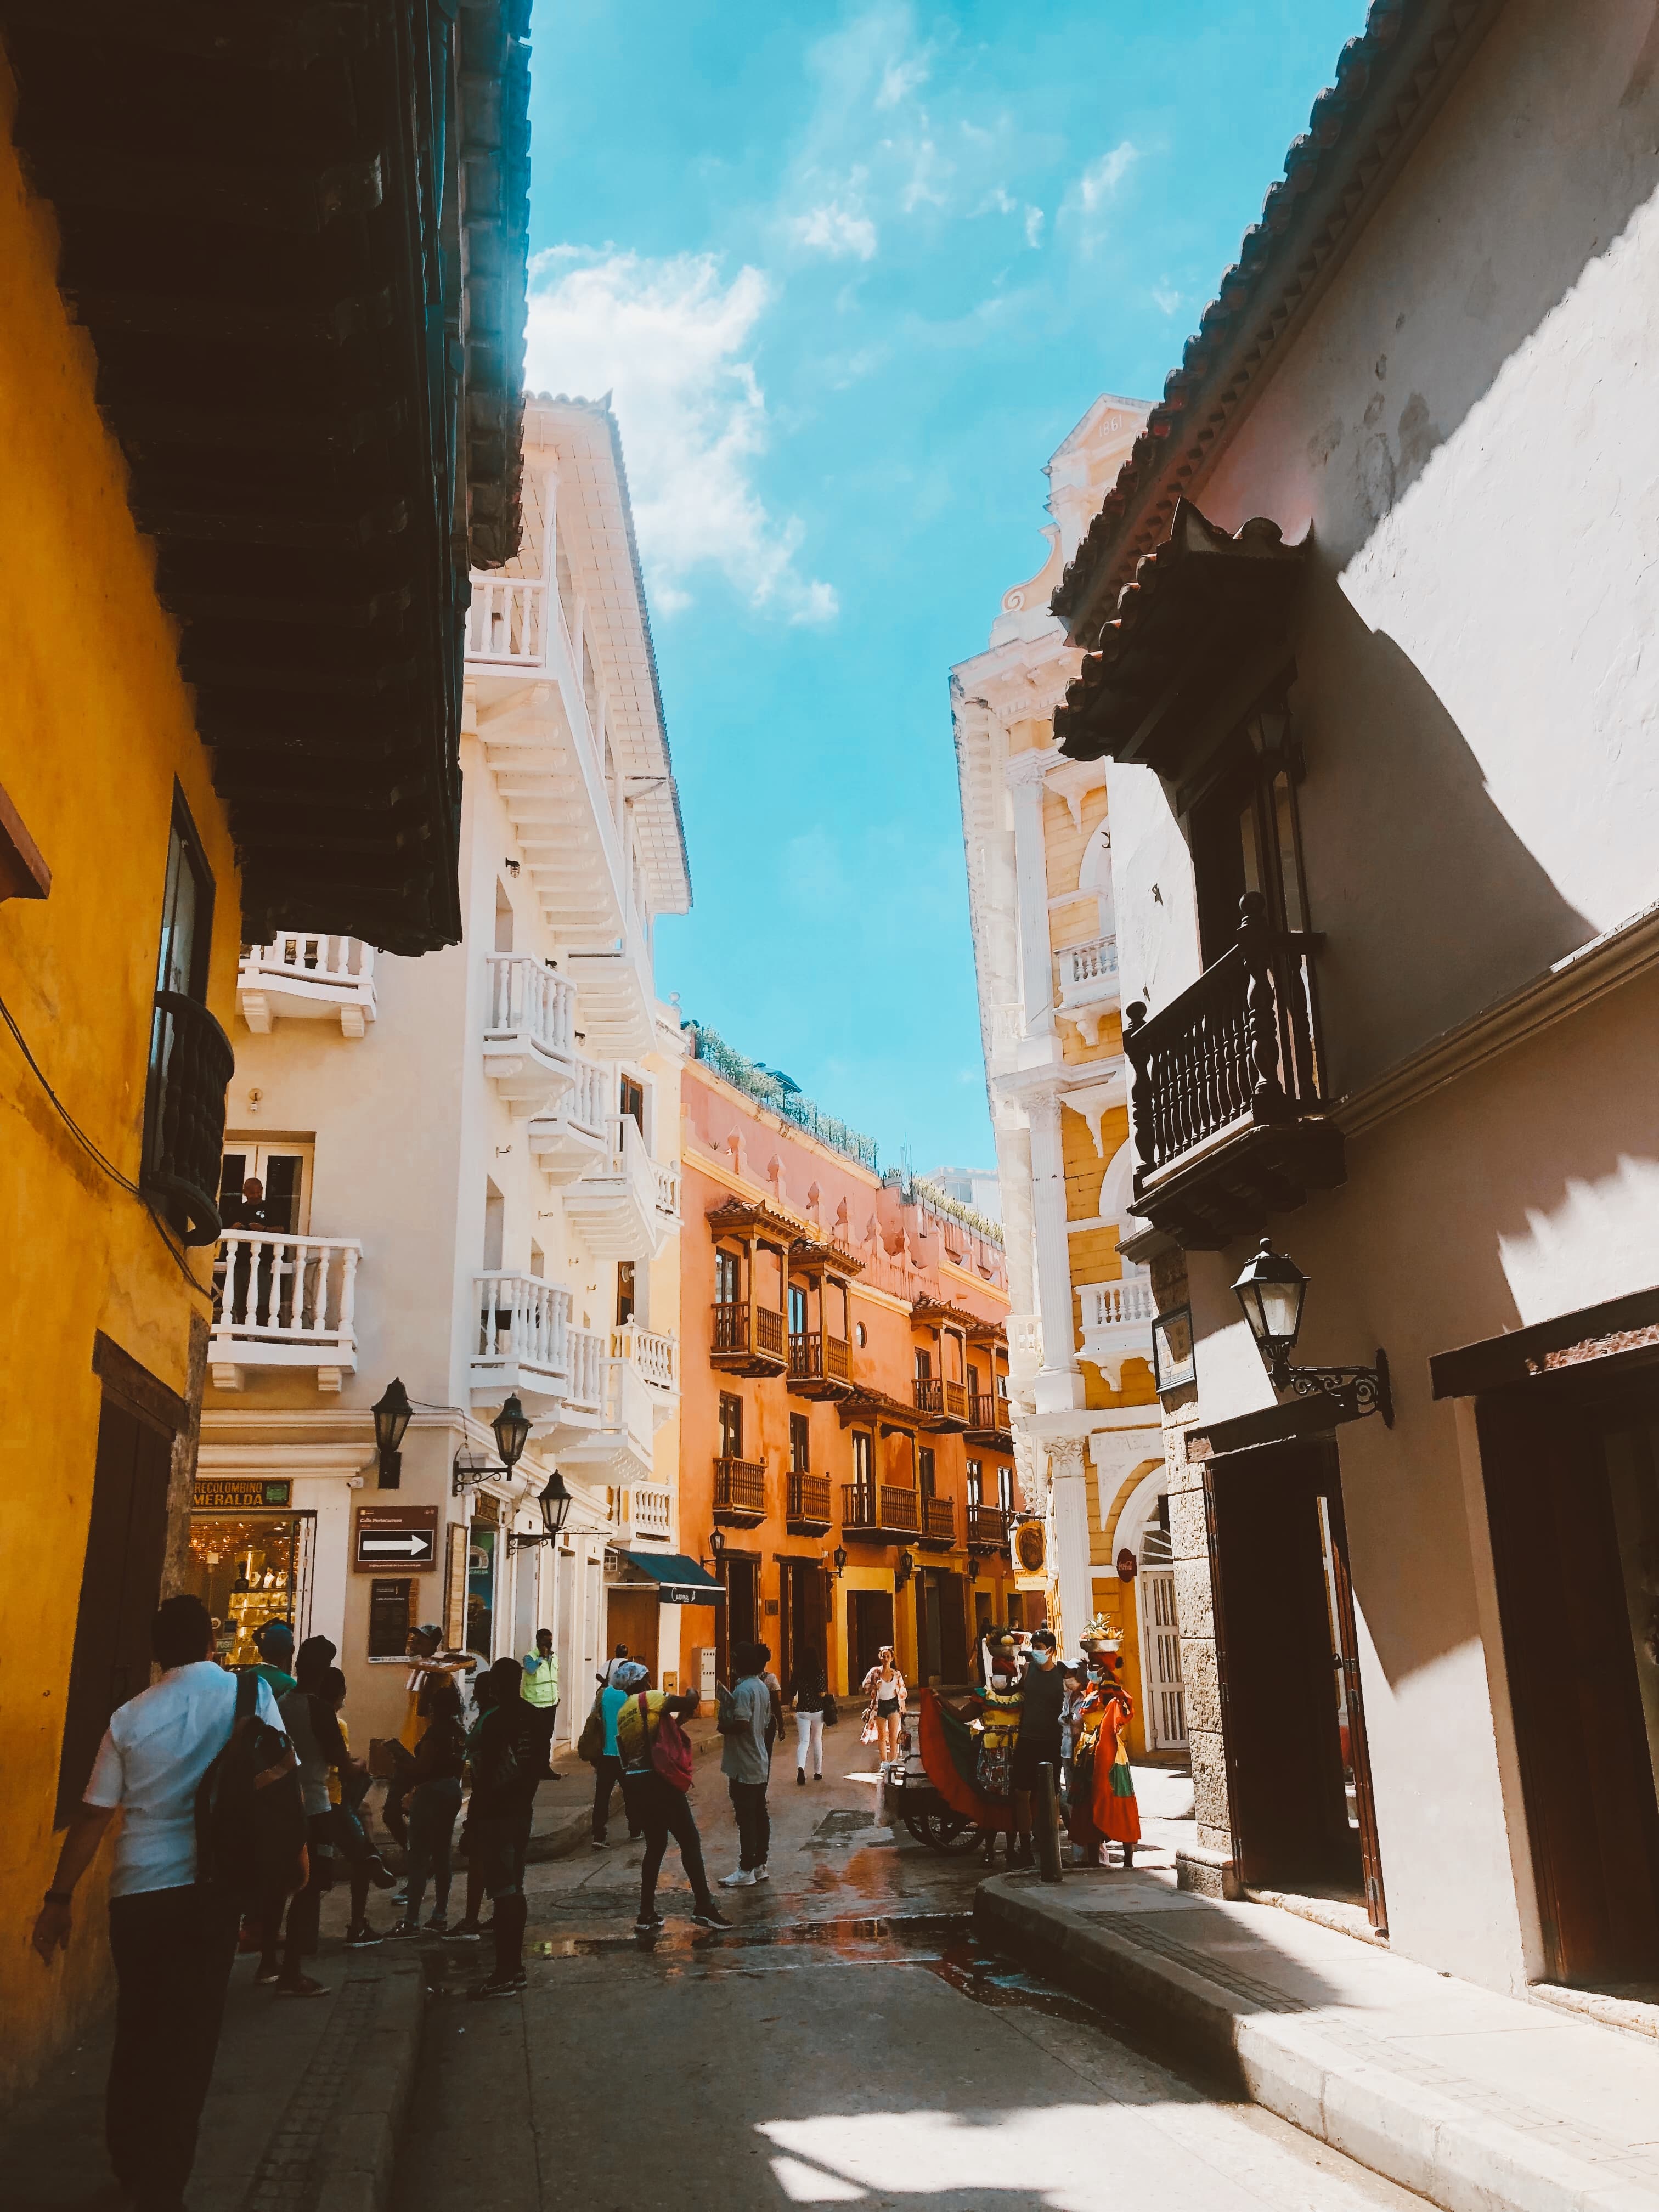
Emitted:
pixel 1299 1763
pixel 1572 1496
pixel 248 1568
pixel 802 1616
pixel 869 1625
pixel 941 1628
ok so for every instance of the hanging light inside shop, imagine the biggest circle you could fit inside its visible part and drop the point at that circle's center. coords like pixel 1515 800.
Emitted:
pixel 392 1413
pixel 511 1429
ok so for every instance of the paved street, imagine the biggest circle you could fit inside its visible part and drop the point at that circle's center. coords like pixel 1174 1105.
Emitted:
pixel 850 2044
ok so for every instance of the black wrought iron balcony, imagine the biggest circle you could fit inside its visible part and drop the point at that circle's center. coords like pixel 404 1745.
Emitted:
pixel 1228 1095
pixel 190 1063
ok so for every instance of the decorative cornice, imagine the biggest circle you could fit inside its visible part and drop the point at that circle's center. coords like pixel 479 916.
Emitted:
pixel 1389 82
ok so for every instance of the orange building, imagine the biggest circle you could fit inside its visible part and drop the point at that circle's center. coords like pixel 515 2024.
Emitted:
pixel 846 1462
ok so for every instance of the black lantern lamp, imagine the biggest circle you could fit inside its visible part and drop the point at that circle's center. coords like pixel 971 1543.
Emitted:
pixel 907 1567
pixel 512 1431
pixel 717 1547
pixel 1271 1289
pixel 839 1555
pixel 555 1502
pixel 391 1414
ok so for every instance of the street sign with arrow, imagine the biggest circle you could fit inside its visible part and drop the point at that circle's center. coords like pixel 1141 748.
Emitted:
pixel 403 1536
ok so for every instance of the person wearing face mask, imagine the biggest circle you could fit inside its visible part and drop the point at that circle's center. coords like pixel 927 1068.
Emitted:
pixel 1042 1693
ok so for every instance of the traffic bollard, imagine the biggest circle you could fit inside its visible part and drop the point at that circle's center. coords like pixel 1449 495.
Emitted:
pixel 1047 1825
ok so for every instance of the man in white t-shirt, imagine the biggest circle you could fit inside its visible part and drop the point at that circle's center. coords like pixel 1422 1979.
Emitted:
pixel 172 1938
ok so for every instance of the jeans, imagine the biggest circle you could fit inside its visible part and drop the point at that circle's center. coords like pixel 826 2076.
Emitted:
pixel 432 1809
pixel 607 1773
pixel 663 1811
pixel 809 1736
pixel 754 1823
pixel 173 1950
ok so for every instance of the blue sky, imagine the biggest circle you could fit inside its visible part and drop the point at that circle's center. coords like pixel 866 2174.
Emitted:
pixel 851 273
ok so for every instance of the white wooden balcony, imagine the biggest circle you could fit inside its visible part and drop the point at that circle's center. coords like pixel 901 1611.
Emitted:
pixel 656 1358
pixel 306 977
pixel 575 1135
pixel 521 1340
pixel 610 1418
pixel 1117 1324
pixel 642 1513
pixel 283 1303
pixel 668 1177
pixel 504 621
pixel 613 1204
pixel 1088 984
pixel 528 1044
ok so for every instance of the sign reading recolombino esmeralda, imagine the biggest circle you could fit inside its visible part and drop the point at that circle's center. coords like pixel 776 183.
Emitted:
pixel 237 1494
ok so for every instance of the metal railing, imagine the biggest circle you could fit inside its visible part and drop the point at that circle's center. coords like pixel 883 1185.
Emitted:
pixel 809 1498
pixel 190 1065
pixel 1240 1044
pixel 284 1293
pixel 521 1320
pixel 739 1486
pixel 814 1356
pixel 504 622
pixel 527 1000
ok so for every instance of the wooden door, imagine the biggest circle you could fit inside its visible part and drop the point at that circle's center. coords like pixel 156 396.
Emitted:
pixel 121 1587
pixel 869 1625
pixel 1358 1736
pixel 1278 1670
pixel 954 1667
pixel 1586 1775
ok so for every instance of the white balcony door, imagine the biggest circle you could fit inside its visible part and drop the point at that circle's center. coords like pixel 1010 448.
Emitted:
pixel 285 1172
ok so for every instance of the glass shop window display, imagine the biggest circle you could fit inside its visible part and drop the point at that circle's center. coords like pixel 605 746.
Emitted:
pixel 246 1570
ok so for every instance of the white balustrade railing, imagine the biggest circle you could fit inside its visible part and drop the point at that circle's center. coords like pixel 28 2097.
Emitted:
pixel 1087 971
pixel 523 1321
pixel 527 1000
pixel 505 621
pixel 1024 1343
pixel 289 1294
pixel 589 1105
pixel 656 1359
pixel 645 1508
pixel 1107 1306
pixel 589 1350
pixel 667 1178
pixel 298 956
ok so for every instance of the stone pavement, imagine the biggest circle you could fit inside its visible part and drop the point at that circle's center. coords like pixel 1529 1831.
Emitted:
pixel 1473 2100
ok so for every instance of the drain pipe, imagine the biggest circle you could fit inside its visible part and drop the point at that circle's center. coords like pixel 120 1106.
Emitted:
pixel 1047 1825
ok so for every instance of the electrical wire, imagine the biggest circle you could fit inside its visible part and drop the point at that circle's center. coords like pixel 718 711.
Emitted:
pixel 100 1158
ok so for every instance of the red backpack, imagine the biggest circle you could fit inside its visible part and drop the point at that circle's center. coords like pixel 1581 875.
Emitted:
pixel 671 1747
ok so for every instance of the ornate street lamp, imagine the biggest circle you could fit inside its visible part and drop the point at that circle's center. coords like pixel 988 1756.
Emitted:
pixel 839 1555
pixel 512 1430
pixel 1271 1289
pixel 906 1568
pixel 717 1546
pixel 392 1413
pixel 554 1502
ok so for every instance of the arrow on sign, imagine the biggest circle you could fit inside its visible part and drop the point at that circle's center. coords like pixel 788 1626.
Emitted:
pixel 408 1545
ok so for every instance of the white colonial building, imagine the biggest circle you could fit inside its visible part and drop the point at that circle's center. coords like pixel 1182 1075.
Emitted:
pixel 1085 1418
pixel 470 1165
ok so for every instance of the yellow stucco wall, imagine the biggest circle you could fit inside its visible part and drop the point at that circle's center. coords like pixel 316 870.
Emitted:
pixel 94 725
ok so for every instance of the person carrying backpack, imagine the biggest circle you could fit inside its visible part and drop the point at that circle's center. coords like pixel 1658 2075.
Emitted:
pixel 168 1762
pixel 648 1739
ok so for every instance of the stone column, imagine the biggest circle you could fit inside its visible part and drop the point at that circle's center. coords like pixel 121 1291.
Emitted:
pixel 1069 1475
pixel 1025 773
pixel 1059 1385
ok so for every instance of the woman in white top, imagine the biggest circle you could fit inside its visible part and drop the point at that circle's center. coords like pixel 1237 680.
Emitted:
pixel 883 1687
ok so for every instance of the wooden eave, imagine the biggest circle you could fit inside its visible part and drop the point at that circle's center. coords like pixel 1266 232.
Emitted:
pixel 932 1313
pixel 865 1404
pixel 1199 605
pixel 1390 82
pixel 809 1256
pixel 313 376
pixel 737 1217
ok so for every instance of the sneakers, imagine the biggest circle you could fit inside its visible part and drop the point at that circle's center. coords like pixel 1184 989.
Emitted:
pixel 710 1916
pixel 763 1874
pixel 466 1931
pixel 740 1879
pixel 439 1925
pixel 403 1928
pixel 266 1976
pixel 818 1777
pixel 499 1985
pixel 361 1938
pixel 598 1844
pixel 800 1777
pixel 303 1985
pixel 649 1923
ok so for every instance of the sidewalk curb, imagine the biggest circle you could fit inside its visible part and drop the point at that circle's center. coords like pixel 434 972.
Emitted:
pixel 1298 2067
pixel 378 2083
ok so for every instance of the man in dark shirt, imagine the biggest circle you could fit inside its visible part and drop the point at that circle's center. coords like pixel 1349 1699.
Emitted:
pixel 508 1757
pixel 1042 1693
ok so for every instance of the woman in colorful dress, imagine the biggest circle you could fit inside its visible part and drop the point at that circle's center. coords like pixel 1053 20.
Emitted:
pixel 1104 1808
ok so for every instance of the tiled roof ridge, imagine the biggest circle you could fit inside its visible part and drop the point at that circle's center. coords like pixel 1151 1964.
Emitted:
pixel 1384 77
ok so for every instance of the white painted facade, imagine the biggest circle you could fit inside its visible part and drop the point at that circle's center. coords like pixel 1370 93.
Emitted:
pixel 488 1138
pixel 1033 998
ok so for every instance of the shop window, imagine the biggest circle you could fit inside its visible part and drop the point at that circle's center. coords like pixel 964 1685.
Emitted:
pixel 624 1293
pixel 730 1426
pixel 1246 836
pixel 800 1444
pixel 247 1569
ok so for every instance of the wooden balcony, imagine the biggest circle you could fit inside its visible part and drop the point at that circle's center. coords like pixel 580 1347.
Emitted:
pixel 810 1505
pixel 990 1421
pixel 945 1403
pixel 748 1340
pixel 939 1524
pixel 988 1527
pixel 879 1513
pixel 739 1492
pixel 820 1366
pixel 1228 1098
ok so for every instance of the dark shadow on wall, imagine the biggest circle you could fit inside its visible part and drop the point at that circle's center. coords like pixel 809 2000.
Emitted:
pixel 1432 907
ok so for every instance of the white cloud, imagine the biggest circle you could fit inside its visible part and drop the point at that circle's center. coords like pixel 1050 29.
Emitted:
pixel 900 79
pixel 1033 226
pixel 673 342
pixel 1100 179
pixel 836 231
pixel 1165 296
